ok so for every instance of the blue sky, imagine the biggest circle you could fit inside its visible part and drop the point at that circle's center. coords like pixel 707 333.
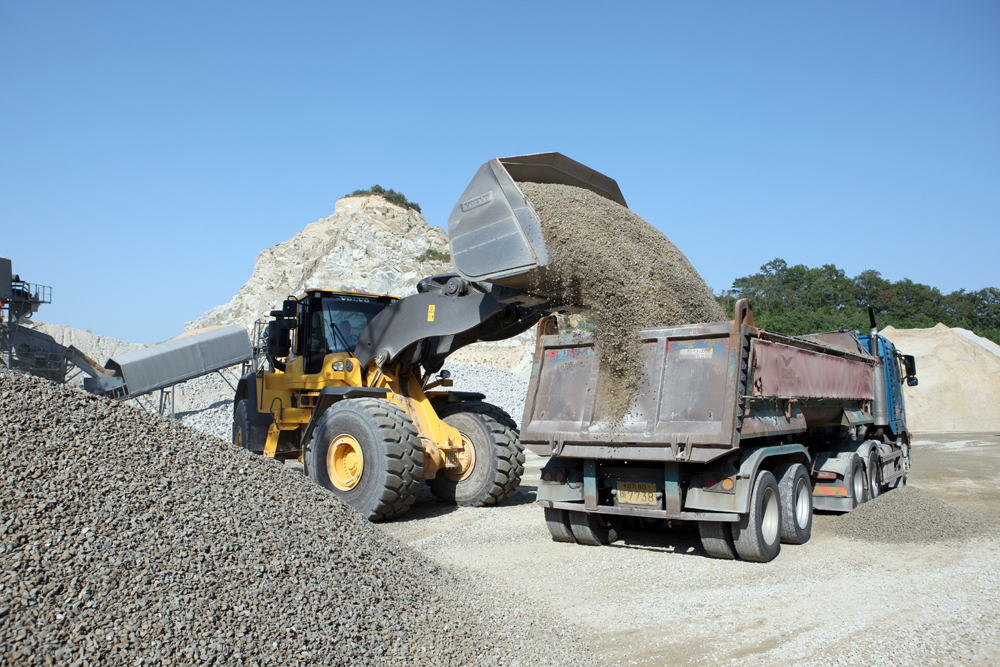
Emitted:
pixel 149 152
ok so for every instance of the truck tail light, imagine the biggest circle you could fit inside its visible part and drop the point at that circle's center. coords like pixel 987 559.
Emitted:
pixel 825 474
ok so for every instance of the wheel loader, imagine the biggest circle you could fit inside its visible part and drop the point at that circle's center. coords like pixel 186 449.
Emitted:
pixel 352 383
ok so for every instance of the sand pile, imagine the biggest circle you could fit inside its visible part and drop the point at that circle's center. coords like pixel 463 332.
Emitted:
pixel 130 539
pixel 908 514
pixel 624 271
pixel 959 376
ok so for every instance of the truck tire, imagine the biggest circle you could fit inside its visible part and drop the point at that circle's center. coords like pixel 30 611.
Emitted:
pixel 874 476
pixel 900 466
pixel 717 539
pixel 795 495
pixel 593 528
pixel 245 434
pixel 558 525
pixel 498 456
pixel 367 452
pixel 858 484
pixel 757 535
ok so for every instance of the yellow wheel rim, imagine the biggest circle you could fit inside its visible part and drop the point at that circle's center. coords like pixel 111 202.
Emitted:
pixel 464 460
pixel 345 462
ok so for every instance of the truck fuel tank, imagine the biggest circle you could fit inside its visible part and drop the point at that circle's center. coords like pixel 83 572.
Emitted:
pixel 496 235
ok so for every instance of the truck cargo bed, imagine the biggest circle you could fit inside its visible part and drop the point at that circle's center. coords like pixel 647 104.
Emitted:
pixel 704 388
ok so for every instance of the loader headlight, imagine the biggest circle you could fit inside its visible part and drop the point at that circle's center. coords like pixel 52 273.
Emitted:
pixel 337 366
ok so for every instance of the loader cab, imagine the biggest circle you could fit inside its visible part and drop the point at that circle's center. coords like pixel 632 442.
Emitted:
pixel 331 322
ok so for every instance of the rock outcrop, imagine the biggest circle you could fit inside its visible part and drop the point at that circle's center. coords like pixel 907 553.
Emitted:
pixel 959 379
pixel 368 244
pixel 99 348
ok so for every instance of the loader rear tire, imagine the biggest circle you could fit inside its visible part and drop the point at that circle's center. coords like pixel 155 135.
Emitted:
pixel 558 525
pixel 717 539
pixel 757 535
pixel 497 461
pixel 245 434
pixel 594 529
pixel 367 452
pixel 796 501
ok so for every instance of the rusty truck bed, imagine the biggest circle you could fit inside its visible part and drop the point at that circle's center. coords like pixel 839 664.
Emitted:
pixel 704 389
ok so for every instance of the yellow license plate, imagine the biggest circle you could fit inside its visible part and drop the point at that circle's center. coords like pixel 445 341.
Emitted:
pixel 637 493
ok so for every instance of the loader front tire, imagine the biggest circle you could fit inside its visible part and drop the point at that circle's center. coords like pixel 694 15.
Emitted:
pixel 245 434
pixel 367 452
pixel 497 457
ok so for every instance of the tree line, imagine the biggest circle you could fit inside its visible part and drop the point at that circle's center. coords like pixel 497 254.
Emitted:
pixel 798 299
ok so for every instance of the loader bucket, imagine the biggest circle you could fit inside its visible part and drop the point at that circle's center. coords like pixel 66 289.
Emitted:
pixel 495 234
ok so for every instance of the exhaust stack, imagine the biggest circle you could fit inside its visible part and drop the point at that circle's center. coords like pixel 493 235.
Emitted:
pixel 880 407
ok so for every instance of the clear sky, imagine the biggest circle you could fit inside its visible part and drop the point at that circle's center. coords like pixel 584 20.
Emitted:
pixel 150 151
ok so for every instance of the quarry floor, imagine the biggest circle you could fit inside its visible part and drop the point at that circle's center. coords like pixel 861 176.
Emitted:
pixel 655 598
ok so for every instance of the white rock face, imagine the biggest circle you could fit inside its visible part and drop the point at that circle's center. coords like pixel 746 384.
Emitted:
pixel 99 348
pixel 368 244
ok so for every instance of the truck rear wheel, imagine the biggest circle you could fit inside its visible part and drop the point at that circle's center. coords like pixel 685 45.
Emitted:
pixel 594 529
pixel 367 452
pixel 795 495
pixel 717 539
pixel 245 434
pixel 874 475
pixel 758 534
pixel 859 482
pixel 558 525
pixel 497 457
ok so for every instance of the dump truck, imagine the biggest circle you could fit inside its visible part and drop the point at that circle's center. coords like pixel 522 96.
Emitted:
pixel 739 430
pixel 352 384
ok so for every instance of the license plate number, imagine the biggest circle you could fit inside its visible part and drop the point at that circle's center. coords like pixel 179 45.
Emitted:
pixel 637 493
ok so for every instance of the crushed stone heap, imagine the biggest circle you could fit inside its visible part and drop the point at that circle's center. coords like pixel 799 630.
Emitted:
pixel 907 515
pixel 623 270
pixel 959 379
pixel 126 537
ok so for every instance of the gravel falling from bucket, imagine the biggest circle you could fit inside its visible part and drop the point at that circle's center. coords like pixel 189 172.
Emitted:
pixel 624 271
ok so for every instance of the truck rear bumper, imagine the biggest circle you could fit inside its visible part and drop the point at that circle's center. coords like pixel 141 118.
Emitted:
pixel 642 512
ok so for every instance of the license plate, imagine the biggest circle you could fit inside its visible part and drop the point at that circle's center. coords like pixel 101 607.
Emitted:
pixel 637 493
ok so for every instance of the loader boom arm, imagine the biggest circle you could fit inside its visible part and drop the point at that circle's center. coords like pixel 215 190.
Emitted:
pixel 446 314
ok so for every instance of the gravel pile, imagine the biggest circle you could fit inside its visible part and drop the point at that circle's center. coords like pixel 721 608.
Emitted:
pixel 908 514
pixel 502 388
pixel 624 271
pixel 126 538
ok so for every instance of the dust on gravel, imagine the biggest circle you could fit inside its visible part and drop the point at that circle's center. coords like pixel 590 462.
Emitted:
pixel 609 260
pixel 906 515
pixel 127 538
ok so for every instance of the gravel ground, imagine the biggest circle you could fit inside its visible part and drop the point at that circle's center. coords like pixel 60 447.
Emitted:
pixel 624 271
pixel 127 538
pixel 655 598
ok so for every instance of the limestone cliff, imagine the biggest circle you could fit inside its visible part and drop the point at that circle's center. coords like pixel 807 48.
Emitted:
pixel 368 244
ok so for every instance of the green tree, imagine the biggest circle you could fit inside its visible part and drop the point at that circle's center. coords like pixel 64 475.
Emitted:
pixel 798 299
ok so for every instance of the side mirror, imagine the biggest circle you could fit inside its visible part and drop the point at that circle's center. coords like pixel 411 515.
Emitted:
pixel 279 338
pixel 910 366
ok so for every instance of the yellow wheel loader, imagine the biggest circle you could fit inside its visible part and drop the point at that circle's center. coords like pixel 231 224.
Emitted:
pixel 352 383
